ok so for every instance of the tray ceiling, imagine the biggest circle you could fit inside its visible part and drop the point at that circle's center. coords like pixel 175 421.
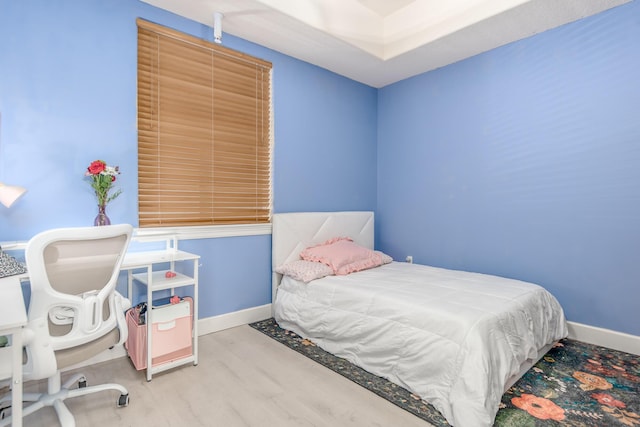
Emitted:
pixel 379 42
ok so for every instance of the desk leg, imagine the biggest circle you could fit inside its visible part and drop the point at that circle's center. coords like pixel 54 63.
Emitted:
pixel 130 285
pixel 195 311
pixel 16 386
pixel 149 321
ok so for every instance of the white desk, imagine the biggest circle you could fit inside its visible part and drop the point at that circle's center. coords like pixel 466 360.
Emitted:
pixel 13 317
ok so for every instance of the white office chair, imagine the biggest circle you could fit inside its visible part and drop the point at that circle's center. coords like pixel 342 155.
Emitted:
pixel 75 311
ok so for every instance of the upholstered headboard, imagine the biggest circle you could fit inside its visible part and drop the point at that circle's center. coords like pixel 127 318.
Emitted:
pixel 293 232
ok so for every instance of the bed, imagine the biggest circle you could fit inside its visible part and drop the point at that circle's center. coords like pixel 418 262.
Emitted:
pixel 456 339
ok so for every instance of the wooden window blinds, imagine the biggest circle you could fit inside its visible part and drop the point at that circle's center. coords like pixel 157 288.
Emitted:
pixel 204 140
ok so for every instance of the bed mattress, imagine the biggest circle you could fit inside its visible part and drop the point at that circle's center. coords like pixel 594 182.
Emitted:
pixel 451 337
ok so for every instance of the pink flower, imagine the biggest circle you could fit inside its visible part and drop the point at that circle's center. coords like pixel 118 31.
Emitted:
pixel 102 177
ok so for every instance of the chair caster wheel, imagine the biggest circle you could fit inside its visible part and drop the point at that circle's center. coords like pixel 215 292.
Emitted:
pixel 123 400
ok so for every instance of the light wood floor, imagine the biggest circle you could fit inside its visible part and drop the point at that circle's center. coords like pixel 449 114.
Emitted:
pixel 243 378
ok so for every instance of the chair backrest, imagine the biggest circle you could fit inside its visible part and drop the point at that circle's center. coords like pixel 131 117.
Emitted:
pixel 73 274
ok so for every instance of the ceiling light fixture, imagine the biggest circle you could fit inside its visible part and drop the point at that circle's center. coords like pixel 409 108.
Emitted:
pixel 217 27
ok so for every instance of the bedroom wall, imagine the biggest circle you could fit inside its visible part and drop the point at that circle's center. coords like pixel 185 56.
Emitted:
pixel 68 96
pixel 521 161
pixel 524 162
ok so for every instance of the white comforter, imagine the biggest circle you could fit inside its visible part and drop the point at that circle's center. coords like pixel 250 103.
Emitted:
pixel 451 337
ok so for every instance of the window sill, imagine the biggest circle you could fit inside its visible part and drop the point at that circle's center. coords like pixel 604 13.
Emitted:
pixel 203 232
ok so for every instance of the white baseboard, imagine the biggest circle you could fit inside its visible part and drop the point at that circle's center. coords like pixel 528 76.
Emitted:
pixel 605 337
pixel 205 326
pixel 231 320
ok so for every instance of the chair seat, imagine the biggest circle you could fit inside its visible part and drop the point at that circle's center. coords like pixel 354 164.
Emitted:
pixel 74 355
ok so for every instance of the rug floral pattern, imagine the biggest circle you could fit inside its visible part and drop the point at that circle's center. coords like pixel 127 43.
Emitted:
pixel 575 384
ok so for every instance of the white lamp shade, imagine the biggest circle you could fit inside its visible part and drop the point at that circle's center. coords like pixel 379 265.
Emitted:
pixel 10 193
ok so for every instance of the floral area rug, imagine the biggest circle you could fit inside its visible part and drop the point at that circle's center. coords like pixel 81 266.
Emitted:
pixel 574 384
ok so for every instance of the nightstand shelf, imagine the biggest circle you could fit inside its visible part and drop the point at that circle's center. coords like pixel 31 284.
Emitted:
pixel 159 281
pixel 140 269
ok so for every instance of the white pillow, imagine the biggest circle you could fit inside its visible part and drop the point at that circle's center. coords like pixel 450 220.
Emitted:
pixel 305 271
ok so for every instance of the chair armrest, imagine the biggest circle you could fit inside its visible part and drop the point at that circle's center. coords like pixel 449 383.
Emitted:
pixel 122 304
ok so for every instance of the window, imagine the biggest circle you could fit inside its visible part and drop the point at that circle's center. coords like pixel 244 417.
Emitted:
pixel 204 132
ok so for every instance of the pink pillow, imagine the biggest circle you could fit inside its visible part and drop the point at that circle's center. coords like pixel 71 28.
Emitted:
pixel 342 255
pixel 305 271
pixel 386 259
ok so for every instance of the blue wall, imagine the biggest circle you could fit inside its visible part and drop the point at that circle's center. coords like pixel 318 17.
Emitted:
pixel 525 162
pixel 68 96
pixel 522 161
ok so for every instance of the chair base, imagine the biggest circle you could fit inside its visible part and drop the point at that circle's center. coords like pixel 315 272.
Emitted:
pixel 58 393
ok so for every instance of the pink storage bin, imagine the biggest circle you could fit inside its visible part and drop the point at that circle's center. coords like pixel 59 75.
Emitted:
pixel 172 330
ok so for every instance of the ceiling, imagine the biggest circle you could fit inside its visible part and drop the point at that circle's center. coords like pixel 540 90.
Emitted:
pixel 379 42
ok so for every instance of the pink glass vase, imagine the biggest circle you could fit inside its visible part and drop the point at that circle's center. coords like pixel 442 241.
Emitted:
pixel 101 218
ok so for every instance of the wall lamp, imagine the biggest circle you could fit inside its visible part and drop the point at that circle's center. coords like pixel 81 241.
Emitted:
pixel 10 193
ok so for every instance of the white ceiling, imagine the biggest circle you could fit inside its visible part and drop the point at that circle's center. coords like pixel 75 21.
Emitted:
pixel 379 42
